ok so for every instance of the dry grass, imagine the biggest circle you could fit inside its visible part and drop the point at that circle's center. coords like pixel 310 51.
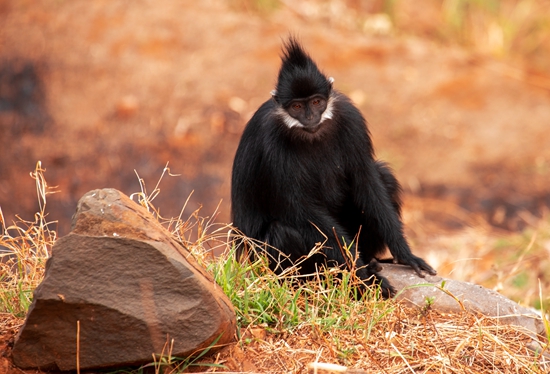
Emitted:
pixel 24 248
pixel 404 341
pixel 285 326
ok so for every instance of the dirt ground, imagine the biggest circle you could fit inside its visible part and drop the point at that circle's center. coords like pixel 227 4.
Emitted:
pixel 102 91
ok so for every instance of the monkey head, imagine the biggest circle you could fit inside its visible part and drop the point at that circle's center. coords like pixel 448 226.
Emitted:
pixel 302 92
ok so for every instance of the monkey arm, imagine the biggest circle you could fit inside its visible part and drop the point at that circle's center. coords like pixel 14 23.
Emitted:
pixel 376 193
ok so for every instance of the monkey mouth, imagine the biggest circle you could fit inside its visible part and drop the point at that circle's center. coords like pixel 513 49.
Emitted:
pixel 312 129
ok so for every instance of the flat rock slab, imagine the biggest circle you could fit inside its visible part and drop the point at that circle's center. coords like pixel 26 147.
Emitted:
pixel 117 290
pixel 448 295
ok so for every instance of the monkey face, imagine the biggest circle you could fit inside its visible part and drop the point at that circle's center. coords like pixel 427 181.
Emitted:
pixel 309 111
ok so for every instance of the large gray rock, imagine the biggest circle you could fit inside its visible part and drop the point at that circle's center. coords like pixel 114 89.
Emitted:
pixel 457 296
pixel 131 288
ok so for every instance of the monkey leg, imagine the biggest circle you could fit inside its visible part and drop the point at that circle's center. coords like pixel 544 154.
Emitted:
pixel 391 183
pixel 369 275
pixel 285 246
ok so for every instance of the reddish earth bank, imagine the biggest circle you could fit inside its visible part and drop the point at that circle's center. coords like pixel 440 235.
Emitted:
pixel 101 92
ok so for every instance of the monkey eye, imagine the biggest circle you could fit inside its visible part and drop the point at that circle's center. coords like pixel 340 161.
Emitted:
pixel 317 102
pixel 296 106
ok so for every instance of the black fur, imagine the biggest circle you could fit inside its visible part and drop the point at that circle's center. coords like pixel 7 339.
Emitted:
pixel 289 184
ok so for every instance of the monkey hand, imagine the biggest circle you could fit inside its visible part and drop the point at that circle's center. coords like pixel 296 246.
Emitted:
pixel 418 264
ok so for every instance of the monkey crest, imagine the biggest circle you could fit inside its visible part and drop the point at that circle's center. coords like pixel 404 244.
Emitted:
pixel 299 76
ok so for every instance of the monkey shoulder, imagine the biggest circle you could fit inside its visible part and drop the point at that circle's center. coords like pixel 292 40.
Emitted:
pixel 256 129
pixel 352 133
pixel 262 116
pixel 345 111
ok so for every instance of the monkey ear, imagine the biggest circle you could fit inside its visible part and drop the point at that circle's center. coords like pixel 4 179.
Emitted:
pixel 273 93
pixel 331 80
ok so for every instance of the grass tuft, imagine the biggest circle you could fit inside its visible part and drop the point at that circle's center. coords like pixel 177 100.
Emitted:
pixel 24 248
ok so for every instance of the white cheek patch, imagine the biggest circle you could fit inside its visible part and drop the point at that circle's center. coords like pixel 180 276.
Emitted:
pixel 327 114
pixel 287 119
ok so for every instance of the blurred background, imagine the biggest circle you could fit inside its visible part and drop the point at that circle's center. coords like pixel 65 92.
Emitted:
pixel 456 92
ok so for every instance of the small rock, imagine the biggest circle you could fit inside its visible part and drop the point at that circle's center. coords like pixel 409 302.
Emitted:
pixel 119 288
pixel 465 296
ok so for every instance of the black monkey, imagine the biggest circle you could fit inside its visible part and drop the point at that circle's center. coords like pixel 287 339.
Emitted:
pixel 305 173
